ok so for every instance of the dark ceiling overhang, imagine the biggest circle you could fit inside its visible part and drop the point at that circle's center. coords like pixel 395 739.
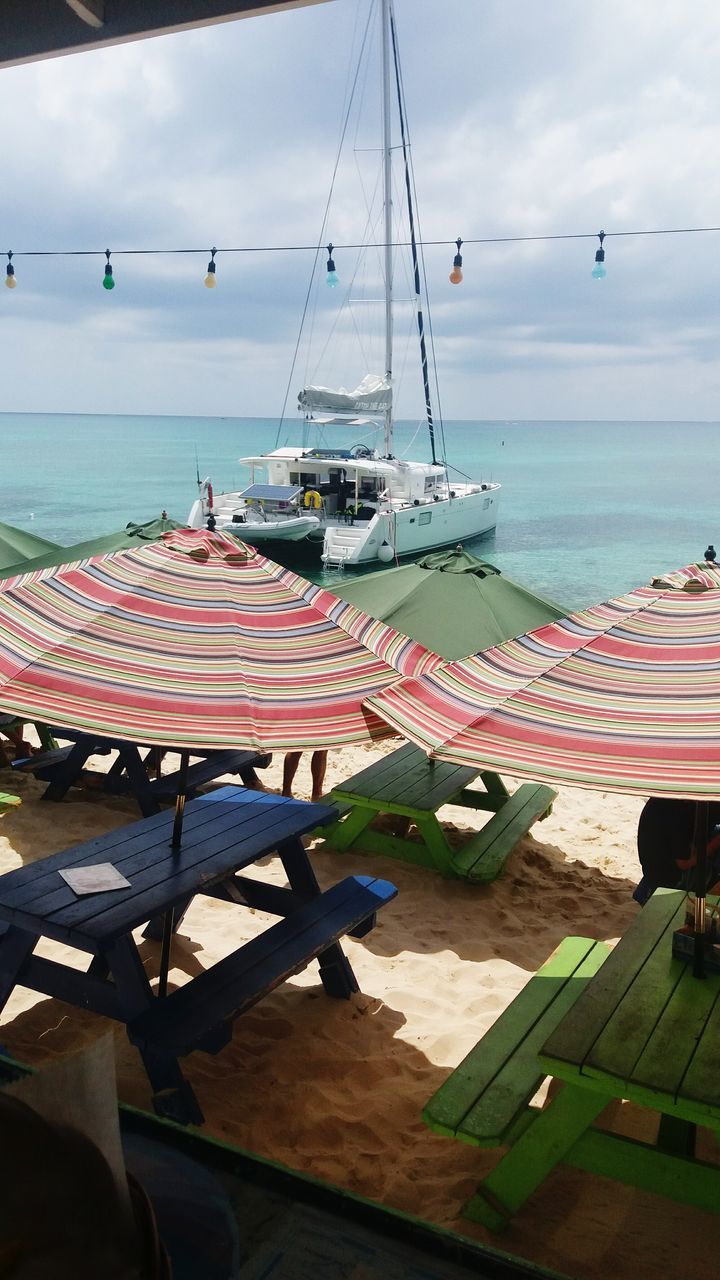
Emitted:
pixel 34 29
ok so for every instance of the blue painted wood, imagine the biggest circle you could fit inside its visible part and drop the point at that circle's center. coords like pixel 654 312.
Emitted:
pixel 130 773
pixel 244 977
pixel 224 832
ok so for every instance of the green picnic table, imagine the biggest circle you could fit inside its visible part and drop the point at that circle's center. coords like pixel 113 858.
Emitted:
pixel 631 1024
pixel 408 784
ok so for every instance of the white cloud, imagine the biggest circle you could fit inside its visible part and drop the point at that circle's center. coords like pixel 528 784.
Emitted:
pixel 526 120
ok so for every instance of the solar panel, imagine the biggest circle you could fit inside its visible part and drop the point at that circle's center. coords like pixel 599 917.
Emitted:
pixel 272 492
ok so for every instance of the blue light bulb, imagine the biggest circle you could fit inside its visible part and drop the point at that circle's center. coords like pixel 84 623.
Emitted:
pixel 332 278
pixel 599 271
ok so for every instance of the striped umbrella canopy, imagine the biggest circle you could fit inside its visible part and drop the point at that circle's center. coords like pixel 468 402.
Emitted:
pixel 195 642
pixel 622 696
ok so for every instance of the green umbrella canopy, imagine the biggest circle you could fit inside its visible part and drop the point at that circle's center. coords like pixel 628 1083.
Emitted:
pixel 132 535
pixel 16 546
pixel 451 602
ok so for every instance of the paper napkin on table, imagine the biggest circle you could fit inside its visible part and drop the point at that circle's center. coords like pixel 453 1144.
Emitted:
pixel 99 878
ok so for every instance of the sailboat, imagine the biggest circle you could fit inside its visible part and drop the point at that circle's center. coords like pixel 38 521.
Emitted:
pixel 357 504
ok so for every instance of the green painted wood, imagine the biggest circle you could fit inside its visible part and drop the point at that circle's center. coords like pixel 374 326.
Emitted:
pixel 8 802
pixel 630 1027
pixel 663 1064
pixel 482 1098
pixel 534 1155
pixel 566 1049
pixel 639 1165
pixel 700 1087
pixel 494 784
pixel 406 781
pixel 484 856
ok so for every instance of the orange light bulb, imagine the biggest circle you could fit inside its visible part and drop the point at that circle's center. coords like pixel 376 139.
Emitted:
pixel 455 276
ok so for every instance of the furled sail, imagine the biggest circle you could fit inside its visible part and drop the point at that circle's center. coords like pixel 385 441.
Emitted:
pixel 373 395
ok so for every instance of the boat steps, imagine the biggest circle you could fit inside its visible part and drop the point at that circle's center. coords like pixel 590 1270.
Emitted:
pixel 341 543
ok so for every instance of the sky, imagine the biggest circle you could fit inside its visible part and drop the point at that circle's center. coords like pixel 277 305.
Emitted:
pixel 558 119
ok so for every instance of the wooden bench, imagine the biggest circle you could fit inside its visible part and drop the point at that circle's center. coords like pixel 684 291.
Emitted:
pixel 486 1099
pixel 129 774
pixel 44 763
pixel 208 769
pixel 180 1022
pixel 484 856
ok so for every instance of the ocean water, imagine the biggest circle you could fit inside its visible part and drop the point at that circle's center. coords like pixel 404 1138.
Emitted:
pixel 588 509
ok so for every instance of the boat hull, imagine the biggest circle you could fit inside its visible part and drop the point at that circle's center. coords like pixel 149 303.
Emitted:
pixel 412 530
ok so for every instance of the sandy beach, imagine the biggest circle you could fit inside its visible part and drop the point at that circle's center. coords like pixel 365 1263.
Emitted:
pixel 334 1088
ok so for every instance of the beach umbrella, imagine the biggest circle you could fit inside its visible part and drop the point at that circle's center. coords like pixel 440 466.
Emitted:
pixel 451 602
pixel 17 546
pixel 195 641
pixel 623 696
pixel 47 553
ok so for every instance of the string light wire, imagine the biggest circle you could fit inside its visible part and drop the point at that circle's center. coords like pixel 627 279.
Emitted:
pixel 397 244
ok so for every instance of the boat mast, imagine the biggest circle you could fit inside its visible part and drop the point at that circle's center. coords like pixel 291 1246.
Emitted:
pixel 387 205
pixel 413 240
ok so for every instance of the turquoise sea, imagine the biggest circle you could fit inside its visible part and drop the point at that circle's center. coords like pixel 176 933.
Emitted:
pixel 588 509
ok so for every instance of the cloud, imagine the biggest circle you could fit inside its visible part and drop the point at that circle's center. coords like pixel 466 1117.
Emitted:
pixel 525 120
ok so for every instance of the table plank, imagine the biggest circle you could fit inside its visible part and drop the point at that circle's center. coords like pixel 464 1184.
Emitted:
pixel 408 779
pixel 566 1050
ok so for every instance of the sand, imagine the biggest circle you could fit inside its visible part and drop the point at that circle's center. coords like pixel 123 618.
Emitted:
pixel 335 1089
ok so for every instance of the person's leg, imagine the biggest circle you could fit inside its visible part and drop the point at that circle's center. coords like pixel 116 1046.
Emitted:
pixel 318 765
pixel 290 767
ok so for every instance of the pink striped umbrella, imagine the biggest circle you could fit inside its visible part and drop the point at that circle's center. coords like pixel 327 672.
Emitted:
pixel 196 642
pixel 623 696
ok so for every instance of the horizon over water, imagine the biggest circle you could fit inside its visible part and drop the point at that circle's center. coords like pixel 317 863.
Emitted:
pixel 588 509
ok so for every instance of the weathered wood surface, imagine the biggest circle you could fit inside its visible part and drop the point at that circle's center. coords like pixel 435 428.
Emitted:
pixel 409 785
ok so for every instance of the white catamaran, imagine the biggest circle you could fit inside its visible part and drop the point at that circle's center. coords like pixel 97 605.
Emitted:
pixel 357 504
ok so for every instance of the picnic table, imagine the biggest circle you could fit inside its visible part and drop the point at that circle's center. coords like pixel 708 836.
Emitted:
pixel 410 785
pixel 224 832
pixel 132 772
pixel 632 1023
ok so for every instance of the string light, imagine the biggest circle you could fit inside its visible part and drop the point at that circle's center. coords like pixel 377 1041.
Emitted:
pixel 108 282
pixel 210 280
pixel 599 271
pixel 332 278
pixel 456 274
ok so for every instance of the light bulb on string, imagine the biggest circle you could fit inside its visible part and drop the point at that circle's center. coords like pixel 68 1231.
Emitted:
pixel 10 281
pixel 108 282
pixel 456 274
pixel 599 271
pixel 210 280
pixel 332 278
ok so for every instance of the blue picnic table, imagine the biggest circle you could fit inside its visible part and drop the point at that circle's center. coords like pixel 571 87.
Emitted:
pixel 224 832
pixel 132 772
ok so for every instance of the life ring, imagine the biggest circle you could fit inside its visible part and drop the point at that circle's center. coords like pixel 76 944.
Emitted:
pixel 312 499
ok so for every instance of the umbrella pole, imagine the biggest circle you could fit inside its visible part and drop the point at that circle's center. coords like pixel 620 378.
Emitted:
pixel 168 926
pixel 700 834
pixel 175 844
pixel 180 801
